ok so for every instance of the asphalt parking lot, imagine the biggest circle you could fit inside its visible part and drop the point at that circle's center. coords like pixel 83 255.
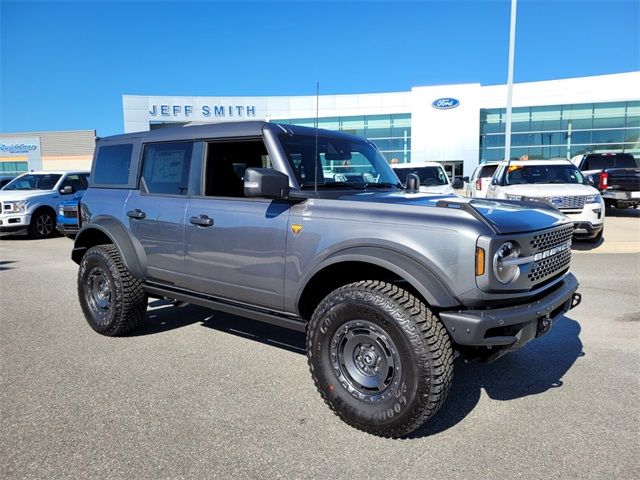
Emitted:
pixel 199 394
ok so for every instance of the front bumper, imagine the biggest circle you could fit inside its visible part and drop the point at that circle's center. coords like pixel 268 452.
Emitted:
pixel 11 223
pixel 582 230
pixel 621 198
pixel 512 327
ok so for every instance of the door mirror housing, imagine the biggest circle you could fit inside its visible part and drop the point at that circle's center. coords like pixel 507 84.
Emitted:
pixel 67 190
pixel 265 182
pixel 465 179
pixel 590 180
pixel 457 183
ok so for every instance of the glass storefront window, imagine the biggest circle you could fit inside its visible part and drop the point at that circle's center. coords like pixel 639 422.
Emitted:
pixel 607 136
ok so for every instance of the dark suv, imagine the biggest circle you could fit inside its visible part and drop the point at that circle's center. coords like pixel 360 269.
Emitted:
pixel 259 220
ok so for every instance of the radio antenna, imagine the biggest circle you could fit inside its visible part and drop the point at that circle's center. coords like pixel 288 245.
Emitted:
pixel 315 160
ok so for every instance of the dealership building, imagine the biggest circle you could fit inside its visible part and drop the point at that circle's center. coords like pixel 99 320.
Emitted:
pixel 27 151
pixel 457 125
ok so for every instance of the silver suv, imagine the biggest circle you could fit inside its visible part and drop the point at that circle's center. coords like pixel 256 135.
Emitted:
pixel 390 285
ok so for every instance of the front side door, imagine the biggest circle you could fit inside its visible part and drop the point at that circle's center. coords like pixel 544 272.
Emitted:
pixel 156 211
pixel 235 246
pixel 235 249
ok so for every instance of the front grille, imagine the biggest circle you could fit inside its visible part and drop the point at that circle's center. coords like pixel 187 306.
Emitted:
pixel 551 239
pixel 575 202
pixel 550 265
pixel 70 214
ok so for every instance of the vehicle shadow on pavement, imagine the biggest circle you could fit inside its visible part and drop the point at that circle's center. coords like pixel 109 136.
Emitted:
pixel 4 263
pixel 163 316
pixel 257 331
pixel 538 367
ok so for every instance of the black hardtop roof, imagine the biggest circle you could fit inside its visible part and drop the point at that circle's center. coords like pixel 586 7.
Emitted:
pixel 220 130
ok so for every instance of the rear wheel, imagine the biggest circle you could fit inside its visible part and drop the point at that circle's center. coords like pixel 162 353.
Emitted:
pixel 380 358
pixel 43 225
pixel 112 300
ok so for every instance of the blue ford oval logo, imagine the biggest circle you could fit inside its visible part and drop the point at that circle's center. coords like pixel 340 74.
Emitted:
pixel 445 103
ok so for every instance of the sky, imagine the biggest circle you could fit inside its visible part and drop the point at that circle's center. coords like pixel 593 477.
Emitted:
pixel 66 65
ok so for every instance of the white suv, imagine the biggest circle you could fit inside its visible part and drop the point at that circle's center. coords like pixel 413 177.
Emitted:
pixel 477 185
pixel 557 182
pixel 433 178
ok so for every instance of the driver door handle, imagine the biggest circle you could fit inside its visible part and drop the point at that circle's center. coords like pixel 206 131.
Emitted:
pixel 136 213
pixel 201 221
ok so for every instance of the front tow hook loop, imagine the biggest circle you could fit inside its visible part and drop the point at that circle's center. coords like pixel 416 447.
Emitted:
pixel 576 299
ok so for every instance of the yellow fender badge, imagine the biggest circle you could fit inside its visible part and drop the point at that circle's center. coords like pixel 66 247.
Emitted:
pixel 296 228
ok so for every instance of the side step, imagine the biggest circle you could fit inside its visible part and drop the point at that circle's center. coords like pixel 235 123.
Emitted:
pixel 213 303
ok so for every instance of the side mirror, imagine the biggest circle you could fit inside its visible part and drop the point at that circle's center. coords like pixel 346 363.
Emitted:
pixel 457 183
pixel 67 190
pixel 265 182
pixel 590 180
pixel 465 179
pixel 412 183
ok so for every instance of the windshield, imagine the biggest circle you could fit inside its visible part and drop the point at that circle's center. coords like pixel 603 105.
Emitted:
pixel 340 162
pixel 528 174
pixel 429 176
pixel 33 182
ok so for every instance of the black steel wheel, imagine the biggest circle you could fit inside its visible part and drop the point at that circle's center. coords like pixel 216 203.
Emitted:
pixel 112 300
pixel 43 225
pixel 381 360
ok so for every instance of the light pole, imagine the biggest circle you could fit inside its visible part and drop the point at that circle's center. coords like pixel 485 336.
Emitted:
pixel 512 46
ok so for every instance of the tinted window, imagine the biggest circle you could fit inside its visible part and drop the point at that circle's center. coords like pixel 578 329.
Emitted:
pixel 488 171
pixel 226 164
pixel 113 164
pixel 165 168
pixel 600 162
pixel 73 180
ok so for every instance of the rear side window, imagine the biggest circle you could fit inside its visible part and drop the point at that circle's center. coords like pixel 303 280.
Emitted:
pixel 113 164
pixel 488 171
pixel 165 168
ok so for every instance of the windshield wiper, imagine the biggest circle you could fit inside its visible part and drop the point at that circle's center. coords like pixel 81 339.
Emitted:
pixel 382 185
pixel 333 185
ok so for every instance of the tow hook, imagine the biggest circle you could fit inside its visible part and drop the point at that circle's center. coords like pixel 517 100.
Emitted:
pixel 576 299
pixel 544 325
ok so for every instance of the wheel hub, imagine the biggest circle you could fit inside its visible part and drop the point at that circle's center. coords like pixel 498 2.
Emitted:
pixel 365 359
pixel 98 293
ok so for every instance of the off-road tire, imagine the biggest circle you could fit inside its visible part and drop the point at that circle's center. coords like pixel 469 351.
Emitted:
pixel 103 280
pixel 424 350
pixel 43 225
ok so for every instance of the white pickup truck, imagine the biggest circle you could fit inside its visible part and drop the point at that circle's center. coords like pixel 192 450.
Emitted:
pixel 28 203
pixel 556 182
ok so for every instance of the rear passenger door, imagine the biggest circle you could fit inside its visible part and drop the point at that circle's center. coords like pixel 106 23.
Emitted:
pixel 235 246
pixel 155 211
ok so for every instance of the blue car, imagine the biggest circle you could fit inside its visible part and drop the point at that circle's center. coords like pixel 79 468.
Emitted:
pixel 67 216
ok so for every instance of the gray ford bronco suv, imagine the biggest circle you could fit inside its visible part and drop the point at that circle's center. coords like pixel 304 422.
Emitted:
pixel 311 230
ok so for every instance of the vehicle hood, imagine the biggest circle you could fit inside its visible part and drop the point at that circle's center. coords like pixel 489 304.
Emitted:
pixel 14 195
pixel 503 216
pixel 550 190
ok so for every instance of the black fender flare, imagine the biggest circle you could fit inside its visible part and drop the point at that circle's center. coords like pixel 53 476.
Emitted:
pixel 416 273
pixel 129 247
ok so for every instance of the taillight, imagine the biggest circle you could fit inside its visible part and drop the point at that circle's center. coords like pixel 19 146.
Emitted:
pixel 603 182
pixel 479 184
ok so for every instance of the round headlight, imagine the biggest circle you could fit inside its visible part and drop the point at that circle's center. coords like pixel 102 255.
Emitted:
pixel 504 272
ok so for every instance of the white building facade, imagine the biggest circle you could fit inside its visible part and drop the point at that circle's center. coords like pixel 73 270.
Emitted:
pixel 457 125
